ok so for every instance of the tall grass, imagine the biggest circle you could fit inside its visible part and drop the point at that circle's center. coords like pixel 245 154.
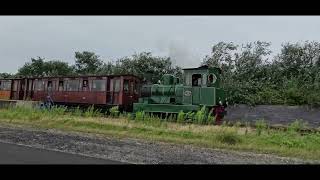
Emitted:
pixel 149 126
pixel 261 125
pixel 200 117
pixel 114 111
pixel 91 112
pixel 181 117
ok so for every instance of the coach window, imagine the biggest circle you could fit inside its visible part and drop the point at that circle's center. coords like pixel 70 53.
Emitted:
pixel 6 85
pixel 49 85
pixel 136 87
pixel 126 86
pixel 99 85
pixel 85 85
pixel 60 88
pixel 73 85
pixel 117 85
pixel 131 87
pixel 40 85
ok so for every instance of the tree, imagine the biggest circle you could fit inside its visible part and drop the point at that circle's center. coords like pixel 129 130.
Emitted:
pixel 106 69
pixel 87 63
pixel 6 75
pixel 40 68
pixel 35 68
pixel 146 66
pixel 57 68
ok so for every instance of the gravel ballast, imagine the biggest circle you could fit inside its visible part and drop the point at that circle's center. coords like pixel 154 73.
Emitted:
pixel 132 150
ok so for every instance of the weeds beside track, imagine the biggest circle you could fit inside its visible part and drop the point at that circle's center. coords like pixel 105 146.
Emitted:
pixel 262 139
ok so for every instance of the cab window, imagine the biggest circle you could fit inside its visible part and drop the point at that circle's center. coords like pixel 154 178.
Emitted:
pixel 196 80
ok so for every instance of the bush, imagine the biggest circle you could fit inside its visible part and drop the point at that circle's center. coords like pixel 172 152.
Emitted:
pixel 91 112
pixel 114 111
pixel 77 112
pixel 181 116
pixel 228 137
pixel 260 126
pixel 211 119
pixel 296 126
pixel 140 116
pixel 200 116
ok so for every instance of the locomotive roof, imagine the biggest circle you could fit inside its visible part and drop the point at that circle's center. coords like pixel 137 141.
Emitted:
pixel 201 67
pixel 79 76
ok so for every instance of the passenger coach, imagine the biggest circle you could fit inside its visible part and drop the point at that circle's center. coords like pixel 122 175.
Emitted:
pixel 113 90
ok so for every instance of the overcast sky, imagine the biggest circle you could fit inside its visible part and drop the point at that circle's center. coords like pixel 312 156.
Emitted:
pixel 186 39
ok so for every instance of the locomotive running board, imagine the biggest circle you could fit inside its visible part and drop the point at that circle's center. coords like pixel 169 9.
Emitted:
pixel 169 108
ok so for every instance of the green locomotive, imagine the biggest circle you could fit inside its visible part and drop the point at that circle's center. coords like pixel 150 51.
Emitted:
pixel 200 87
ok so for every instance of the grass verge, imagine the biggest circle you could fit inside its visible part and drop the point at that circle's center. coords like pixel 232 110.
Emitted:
pixel 289 143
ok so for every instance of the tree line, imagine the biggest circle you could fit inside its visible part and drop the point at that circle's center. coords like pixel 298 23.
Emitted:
pixel 251 74
pixel 88 63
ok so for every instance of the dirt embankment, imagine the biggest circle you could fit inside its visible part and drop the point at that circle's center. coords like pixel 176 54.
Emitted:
pixel 132 150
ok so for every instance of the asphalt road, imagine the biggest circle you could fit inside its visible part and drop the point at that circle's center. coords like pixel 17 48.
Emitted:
pixel 17 154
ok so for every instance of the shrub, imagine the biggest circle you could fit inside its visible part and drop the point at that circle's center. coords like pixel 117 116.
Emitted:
pixel 211 119
pixel 181 117
pixel 296 126
pixel 114 111
pixel 91 112
pixel 77 112
pixel 260 126
pixel 200 116
pixel 228 137
pixel 140 116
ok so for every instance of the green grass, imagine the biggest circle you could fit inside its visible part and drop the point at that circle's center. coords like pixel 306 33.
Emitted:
pixel 144 126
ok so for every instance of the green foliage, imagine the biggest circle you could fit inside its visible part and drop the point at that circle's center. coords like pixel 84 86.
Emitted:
pixel 211 119
pixel 260 126
pixel 77 112
pixel 153 128
pixel 200 116
pixel 296 126
pixel 58 110
pixel 39 67
pixel 6 75
pixel 91 112
pixel 181 117
pixel 146 66
pixel 87 63
pixel 140 116
pixel 114 111
pixel 228 137
pixel 251 76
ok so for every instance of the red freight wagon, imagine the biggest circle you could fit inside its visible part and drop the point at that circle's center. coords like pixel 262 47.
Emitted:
pixel 120 90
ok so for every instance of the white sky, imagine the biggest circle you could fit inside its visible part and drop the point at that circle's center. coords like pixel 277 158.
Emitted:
pixel 186 39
